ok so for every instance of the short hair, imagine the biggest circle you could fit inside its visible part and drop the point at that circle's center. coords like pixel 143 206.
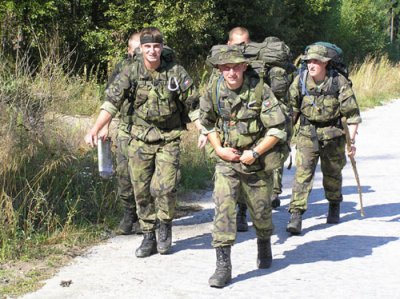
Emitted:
pixel 134 40
pixel 239 31
pixel 151 35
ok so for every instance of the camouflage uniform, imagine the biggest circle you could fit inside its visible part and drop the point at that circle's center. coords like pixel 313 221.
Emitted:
pixel 162 102
pixel 320 134
pixel 125 189
pixel 242 122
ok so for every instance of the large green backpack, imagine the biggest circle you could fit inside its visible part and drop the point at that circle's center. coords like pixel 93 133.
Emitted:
pixel 271 60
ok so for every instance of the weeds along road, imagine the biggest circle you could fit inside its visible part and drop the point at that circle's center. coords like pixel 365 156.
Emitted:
pixel 357 258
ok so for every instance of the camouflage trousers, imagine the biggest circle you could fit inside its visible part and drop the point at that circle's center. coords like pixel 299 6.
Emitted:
pixel 276 184
pixel 125 188
pixel 154 168
pixel 277 180
pixel 229 183
pixel 333 159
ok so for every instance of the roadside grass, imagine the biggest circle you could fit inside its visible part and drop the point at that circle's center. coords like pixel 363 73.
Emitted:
pixel 196 167
pixel 53 202
pixel 375 81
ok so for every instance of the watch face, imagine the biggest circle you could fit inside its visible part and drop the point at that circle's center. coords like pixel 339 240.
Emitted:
pixel 255 154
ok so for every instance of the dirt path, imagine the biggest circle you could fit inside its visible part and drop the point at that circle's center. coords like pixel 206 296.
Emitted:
pixel 358 258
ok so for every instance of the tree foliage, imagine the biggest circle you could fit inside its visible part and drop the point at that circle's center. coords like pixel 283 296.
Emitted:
pixel 97 30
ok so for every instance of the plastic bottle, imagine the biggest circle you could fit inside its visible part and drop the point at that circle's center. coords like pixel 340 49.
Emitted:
pixel 105 158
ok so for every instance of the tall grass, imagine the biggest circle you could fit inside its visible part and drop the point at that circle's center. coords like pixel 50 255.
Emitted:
pixel 375 81
pixel 48 183
pixel 197 168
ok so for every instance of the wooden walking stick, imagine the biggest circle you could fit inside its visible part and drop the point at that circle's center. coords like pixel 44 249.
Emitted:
pixel 353 163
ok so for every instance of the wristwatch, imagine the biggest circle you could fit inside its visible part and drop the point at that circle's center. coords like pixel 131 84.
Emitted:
pixel 255 154
pixel 353 141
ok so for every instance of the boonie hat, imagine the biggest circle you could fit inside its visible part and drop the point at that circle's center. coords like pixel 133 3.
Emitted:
pixel 230 54
pixel 317 52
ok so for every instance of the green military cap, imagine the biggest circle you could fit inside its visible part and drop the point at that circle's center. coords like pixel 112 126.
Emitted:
pixel 317 52
pixel 227 54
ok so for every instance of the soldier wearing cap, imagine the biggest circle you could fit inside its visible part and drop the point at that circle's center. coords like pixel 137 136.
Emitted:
pixel 242 120
pixel 320 97
pixel 165 99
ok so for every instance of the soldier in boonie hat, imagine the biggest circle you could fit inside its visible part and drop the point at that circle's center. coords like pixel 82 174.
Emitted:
pixel 227 55
pixel 317 52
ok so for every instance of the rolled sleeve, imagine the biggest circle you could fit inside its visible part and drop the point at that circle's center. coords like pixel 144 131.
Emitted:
pixel 110 108
pixel 278 133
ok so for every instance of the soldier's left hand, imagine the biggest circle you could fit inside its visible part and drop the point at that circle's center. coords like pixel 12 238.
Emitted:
pixel 352 152
pixel 247 157
pixel 202 141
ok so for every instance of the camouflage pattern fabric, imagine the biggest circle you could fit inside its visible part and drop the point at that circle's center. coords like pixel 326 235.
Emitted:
pixel 333 159
pixel 239 126
pixel 126 111
pixel 318 52
pixel 154 169
pixel 242 122
pixel 277 180
pixel 162 102
pixel 322 109
pixel 125 188
pixel 256 189
pixel 320 136
pixel 162 98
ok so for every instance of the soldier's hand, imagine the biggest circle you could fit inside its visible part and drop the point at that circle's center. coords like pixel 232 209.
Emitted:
pixel 202 141
pixel 352 152
pixel 103 133
pixel 228 154
pixel 247 157
pixel 91 138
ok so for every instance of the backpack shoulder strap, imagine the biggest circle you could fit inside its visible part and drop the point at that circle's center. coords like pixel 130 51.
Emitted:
pixel 258 90
pixel 215 93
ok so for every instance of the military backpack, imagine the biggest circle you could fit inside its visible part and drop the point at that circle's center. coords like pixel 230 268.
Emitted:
pixel 271 60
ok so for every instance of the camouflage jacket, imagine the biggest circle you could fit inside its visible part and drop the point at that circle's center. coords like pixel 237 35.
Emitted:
pixel 125 112
pixel 323 105
pixel 162 99
pixel 240 119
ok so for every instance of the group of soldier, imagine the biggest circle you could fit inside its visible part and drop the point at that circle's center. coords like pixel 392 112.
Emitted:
pixel 239 116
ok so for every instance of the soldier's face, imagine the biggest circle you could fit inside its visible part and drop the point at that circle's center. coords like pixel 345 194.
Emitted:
pixel 233 74
pixel 151 52
pixel 316 68
pixel 237 39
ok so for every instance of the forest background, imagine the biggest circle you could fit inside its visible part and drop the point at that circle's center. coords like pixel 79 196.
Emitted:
pixel 55 57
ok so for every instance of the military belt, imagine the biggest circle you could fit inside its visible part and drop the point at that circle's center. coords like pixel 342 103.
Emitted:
pixel 305 122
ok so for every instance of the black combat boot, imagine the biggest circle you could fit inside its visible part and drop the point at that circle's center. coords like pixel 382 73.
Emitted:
pixel 223 273
pixel 264 256
pixel 275 201
pixel 126 223
pixel 334 212
pixel 148 246
pixel 164 237
pixel 241 221
pixel 136 228
pixel 294 226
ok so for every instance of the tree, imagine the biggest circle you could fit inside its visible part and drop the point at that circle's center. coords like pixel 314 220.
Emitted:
pixel 362 27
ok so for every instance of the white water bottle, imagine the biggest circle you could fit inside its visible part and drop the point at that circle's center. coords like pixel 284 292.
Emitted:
pixel 105 158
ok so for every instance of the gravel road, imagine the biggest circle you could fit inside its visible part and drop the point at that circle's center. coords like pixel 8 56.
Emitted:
pixel 357 258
